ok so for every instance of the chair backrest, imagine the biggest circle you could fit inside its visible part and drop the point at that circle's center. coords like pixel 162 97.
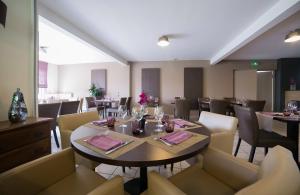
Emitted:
pixel 219 106
pixel 218 122
pixel 182 109
pixel 123 101
pixel 50 111
pixel 70 107
pixel 73 121
pixel 278 174
pixel 90 102
pixel 248 124
pixel 128 103
pixel 256 105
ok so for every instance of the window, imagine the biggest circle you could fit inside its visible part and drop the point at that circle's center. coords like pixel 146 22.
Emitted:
pixel 43 71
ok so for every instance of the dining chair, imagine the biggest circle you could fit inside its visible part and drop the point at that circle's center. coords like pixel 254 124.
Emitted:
pixel 50 111
pixel 69 107
pixel 128 104
pixel 222 129
pixel 256 105
pixel 219 106
pixel 182 109
pixel 90 103
pixel 114 111
pixel 68 123
pixel 203 105
pixel 57 174
pixel 249 132
pixel 222 173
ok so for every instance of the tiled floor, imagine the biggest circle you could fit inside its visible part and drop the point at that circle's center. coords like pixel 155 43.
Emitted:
pixel 109 171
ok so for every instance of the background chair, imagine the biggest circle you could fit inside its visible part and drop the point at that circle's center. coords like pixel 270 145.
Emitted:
pixel 221 173
pixel 256 105
pixel 50 111
pixel 128 105
pixel 219 106
pixel 249 132
pixel 222 128
pixel 203 105
pixel 70 122
pixel 182 109
pixel 69 107
pixel 114 111
pixel 57 174
pixel 90 103
pixel 80 105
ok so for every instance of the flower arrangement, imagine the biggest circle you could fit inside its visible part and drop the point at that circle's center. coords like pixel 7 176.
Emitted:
pixel 143 99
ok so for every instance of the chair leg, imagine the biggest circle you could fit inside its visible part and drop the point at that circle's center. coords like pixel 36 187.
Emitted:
pixel 123 169
pixel 252 154
pixel 172 167
pixel 55 138
pixel 165 166
pixel 266 150
pixel 237 147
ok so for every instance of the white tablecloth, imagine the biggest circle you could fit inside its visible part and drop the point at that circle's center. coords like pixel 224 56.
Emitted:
pixel 265 121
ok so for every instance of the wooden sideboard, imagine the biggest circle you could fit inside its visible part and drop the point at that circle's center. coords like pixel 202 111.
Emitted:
pixel 24 141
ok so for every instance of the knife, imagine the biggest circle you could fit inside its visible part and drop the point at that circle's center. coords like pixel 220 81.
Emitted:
pixel 120 146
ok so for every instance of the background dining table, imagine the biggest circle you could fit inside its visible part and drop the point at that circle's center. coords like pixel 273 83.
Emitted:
pixel 142 156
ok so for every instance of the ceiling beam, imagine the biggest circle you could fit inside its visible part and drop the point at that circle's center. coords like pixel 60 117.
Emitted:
pixel 75 32
pixel 279 12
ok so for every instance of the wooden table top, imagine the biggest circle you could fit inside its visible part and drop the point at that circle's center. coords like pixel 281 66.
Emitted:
pixel 143 155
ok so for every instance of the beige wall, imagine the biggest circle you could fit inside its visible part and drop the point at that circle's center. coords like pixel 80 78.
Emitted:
pixel 17 54
pixel 245 86
pixel 52 78
pixel 217 83
pixel 76 78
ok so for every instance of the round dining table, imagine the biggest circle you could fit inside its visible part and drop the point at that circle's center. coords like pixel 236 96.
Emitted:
pixel 142 156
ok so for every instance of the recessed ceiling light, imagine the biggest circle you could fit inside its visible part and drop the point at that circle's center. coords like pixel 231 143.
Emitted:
pixel 293 36
pixel 163 41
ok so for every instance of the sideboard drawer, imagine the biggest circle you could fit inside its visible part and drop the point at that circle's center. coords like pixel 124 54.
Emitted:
pixel 24 154
pixel 26 135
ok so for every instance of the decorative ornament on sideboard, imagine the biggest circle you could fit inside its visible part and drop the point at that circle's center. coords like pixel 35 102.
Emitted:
pixel 17 111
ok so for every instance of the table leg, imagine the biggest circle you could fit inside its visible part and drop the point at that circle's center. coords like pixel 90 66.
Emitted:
pixel 293 134
pixel 138 185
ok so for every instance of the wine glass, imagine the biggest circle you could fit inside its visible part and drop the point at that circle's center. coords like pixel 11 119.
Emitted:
pixel 122 113
pixel 158 113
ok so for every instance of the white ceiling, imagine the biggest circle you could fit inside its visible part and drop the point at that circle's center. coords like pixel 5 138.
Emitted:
pixel 271 45
pixel 63 48
pixel 198 29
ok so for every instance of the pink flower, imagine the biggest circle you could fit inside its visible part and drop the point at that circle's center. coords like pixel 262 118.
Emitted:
pixel 143 98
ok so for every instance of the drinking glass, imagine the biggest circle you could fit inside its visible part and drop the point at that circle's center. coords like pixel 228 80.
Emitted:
pixel 122 113
pixel 158 113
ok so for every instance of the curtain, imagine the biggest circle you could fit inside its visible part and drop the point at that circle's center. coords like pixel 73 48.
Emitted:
pixel 43 72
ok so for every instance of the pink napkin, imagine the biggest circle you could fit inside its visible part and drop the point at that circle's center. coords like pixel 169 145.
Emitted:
pixel 182 123
pixel 104 142
pixel 100 122
pixel 176 137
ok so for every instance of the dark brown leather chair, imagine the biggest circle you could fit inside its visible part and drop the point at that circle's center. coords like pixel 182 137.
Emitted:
pixel 50 111
pixel 219 106
pixel 203 104
pixel 256 105
pixel 70 107
pixel 182 109
pixel 249 132
pixel 90 102
pixel 128 105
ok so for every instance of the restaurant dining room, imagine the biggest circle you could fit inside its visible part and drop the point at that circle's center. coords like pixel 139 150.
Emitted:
pixel 149 97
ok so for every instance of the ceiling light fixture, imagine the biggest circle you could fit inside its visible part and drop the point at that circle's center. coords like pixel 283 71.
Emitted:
pixel 293 36
pixel 163 41
pixel 3 9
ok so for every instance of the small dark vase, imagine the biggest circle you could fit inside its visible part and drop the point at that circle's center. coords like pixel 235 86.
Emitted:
pixel 17 111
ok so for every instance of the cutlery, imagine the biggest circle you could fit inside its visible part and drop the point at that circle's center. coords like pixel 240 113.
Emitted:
pixel 163 141
pixel 120 146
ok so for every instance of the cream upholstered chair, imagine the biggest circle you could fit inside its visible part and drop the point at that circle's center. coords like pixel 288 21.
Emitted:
pixel 57 174
pixel 222 130
pixel 221 173
pixel 68 123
